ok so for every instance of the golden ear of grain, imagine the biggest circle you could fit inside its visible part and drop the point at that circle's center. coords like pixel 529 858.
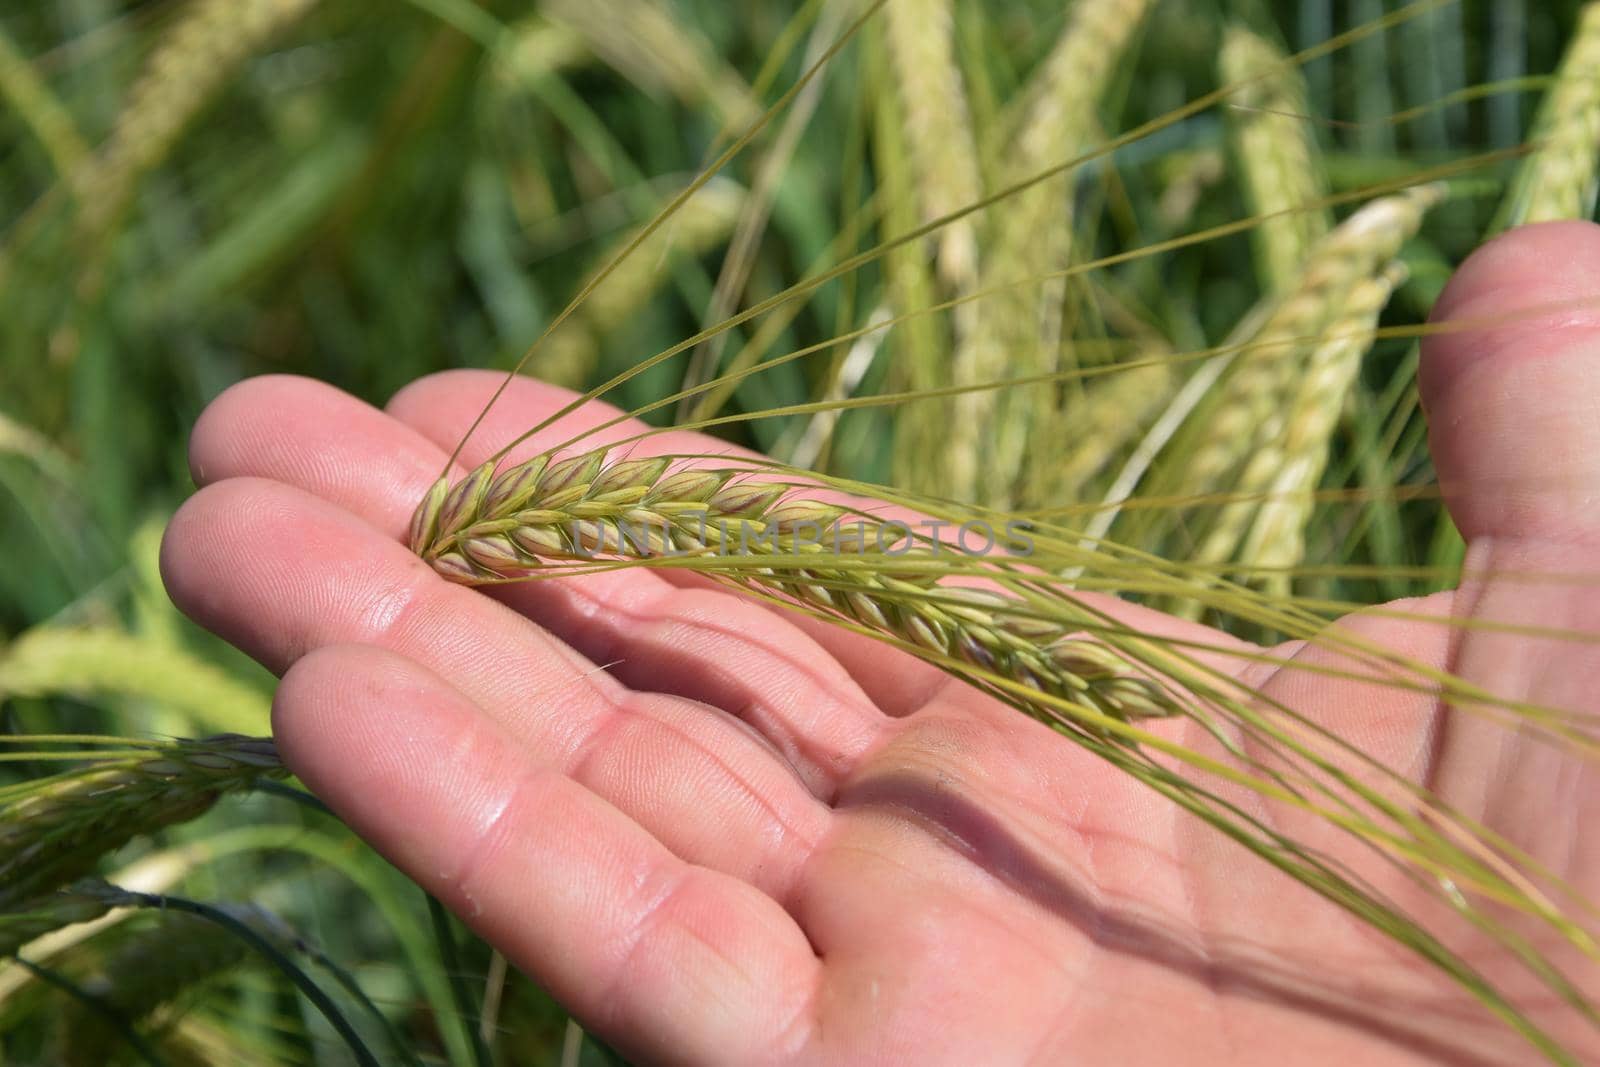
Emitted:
pixel 569 355
pixel 1018 331
pixel 587 507
pixel 937 129
pixel 210 42
pixel 1558 179
pixel 1277 154
pixel 54 831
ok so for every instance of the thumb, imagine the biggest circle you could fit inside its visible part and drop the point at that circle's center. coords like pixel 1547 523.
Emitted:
pixel 1513 396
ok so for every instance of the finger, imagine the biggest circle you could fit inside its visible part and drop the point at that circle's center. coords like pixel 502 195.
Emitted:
pixel 727 652
pixel 280 573
pixel 695 641
pixel 306 433
pixel 1512 422
pixel 673 962
pixel 1511 402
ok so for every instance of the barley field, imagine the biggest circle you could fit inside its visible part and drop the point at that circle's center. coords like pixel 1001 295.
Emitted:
pixel 979 330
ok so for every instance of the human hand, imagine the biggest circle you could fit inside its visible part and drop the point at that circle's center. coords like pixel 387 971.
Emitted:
pixel 719 832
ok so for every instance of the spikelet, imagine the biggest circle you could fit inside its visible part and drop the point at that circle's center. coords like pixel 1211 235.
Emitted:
pixel 1030 236
pixel 938 129
pixel 210 42
pixel 55 830
pixel 1277 156
pixel 569 355
pixel 1558 180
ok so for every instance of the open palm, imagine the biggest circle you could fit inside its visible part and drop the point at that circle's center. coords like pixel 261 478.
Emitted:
pixel 720 832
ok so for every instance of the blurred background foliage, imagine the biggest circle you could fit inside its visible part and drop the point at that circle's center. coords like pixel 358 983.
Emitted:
pixel 193 192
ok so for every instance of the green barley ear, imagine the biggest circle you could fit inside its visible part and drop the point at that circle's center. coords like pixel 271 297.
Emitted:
pixel 592 506
pixel 1277 155
pixel 1247 410
pixel 1031 235
pixel 1289 464
pixel 1558 180
pixel 937 128
pixel 56 829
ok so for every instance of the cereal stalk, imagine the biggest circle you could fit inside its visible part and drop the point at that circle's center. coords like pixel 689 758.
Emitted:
pixel 494 526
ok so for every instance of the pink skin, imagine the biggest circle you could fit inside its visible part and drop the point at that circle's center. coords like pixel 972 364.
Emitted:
pixel 752 839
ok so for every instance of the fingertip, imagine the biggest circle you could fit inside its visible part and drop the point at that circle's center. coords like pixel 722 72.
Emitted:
pixel 1510 384
pixel 214 443
pixel 1541 280
pixel 443 406
pixel 323 708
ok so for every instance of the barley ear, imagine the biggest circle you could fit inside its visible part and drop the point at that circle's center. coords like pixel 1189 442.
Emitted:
pixel 55 830
pixel 587 506
pixel 208 44
pixel 938 129
pixel 1018 332
pixel 1558 179
pixel 1276 153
